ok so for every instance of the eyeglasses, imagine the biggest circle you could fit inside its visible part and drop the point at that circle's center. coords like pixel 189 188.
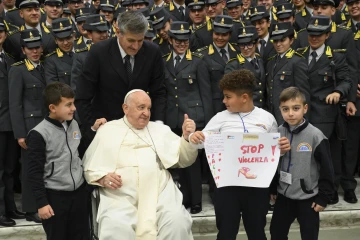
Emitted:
pixel 179 42
pixel 213 5
pixel 249 45
pixel 67 39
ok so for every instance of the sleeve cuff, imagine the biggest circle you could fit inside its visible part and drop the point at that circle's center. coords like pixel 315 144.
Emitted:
pixel 42 202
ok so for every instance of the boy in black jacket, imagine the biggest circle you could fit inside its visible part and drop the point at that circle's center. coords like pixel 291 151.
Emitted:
pixel 55 169
pixel 306 180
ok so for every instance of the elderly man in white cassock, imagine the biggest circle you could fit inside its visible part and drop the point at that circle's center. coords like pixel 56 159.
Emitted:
pixel 128 159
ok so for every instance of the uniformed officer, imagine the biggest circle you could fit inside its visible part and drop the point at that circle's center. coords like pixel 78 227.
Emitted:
pixel 9 148
pixel 107 9
pixel 11 15
pixel 178 11
pixel 329 81
pixel 30 12
pixel 53 10
pixel 150 33
pixel 157 4
pixel 58 64
pixel 216 55
pixel 354 13
pixel 197 13
pixel 97 28
pixel 345 16
pixel 249 59
pixel 188 92
pixel 73 5
pixel 285 13
pixel 260 18
pixel 137 4
pixel 302 17
pixel 161 21
pixel 235 10
pixel 26 84
pixel 83 39
pixel 66 13
pixel 286 69
pixel 270 7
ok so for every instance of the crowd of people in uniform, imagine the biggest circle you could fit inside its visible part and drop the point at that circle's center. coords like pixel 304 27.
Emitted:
pixel 310 44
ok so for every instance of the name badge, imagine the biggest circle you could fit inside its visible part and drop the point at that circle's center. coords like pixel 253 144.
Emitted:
pixel 76 135
pixel 190 81
pixel 282 77
pixel 285 177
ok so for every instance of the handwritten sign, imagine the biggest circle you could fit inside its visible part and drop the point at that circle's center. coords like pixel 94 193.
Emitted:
pixel 237 159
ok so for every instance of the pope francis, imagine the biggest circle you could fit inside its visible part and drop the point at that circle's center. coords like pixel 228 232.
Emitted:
pixel 128 159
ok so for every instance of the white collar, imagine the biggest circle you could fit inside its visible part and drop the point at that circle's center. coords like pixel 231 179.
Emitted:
pixel 318 51
pixel 122 52
pixel 178 6
pixel 175 54
pixel 354 22
pixel 34 63
pixel 310 10
pixel 266 38
pixel 218 49
pixel 38 27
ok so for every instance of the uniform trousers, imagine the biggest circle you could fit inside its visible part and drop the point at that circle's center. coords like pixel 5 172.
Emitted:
pixel 71 214
pixel 286 210
pixel 9 156
pixel 232 203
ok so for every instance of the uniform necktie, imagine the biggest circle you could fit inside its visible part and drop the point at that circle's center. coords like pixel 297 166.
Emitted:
pixel 88 41
pixel 181 10
pixel 254 63
pixel 313 60
pixel 3 60
pixel 71 54
pixel 262 47
pixel 41 70
pixel 177 62
pixel 223 55
pixel 128 67
pixel 358 26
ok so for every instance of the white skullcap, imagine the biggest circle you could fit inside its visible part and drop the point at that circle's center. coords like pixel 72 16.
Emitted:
pixel 132 91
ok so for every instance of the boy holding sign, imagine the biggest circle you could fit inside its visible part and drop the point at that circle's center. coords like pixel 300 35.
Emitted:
pixel 242 116
pixel 306 180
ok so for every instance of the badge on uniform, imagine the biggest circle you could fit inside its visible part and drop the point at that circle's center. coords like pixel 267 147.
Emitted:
pixel 76 135
pixel 285 177
pixel 282 77
pixel 190 81
pixel 326 78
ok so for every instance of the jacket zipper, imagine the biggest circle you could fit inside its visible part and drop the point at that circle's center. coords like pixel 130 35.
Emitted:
pixel 291 138
pixel 67 143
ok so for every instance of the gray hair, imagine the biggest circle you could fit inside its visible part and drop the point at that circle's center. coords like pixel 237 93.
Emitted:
pixel 133 22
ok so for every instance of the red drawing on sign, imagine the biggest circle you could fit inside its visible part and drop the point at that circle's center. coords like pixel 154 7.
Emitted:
pixel 219 169
pixel 273 149
pixel 219 159
pixel 244 171
pixel 219 154
pixel 208 156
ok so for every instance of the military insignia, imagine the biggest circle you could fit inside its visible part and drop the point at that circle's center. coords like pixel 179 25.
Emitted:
pixel 107 2
pixel 282 77
pixel 31 35
pixel 244 32
pixel 222 21
pixel 61 26
pixel 195 1
pixel 326 78
pixel 101 19
pixel 276 28
pixel 155 18
pixel 255 11
pixel 149 26
pixel 283 8
pixel 182 28
pixel 316 23
pixel 76 135
pixel 81 13
pixel 190 80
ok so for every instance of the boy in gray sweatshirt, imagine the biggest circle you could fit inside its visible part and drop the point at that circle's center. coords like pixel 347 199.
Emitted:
pixel 305 180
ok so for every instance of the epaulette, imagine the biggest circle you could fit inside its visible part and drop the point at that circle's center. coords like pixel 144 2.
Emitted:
pixel 42 10
pixel 46 30
pixel 272 57
pixel 257 54
pixel 13 32
pixel 18 63
pixel 50 54
pixel 290 53
pixel 196 54
pixel 199 27
pixel 328 52
pixel 169 56
pixel 166 55
pixel 296 53
pixel 171 6
pixel 12 25
pixel 302 49
pixel 231 59
pixel 9 55
pixel 12 9
pixel 81 50
pixel 240 59
pixel 339 50
pixel 301 30
pixel 236 20
pixel 201 49
pixel 343 27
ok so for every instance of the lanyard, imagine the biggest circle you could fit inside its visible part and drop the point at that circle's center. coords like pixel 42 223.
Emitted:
pixel 245 130
pixel 288 167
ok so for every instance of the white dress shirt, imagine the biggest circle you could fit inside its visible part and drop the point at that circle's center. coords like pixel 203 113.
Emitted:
pixel 123 55
pixel 319 52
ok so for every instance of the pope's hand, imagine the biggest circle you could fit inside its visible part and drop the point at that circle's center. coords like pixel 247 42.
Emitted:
pixel 188 126
pixel 111 180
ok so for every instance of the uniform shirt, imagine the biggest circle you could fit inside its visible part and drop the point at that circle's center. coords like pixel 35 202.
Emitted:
pixel 266 38
pixel 354 23
pixel 38 27
pixel 174 56
pixel 178 6
pixel 123 55
pixel 310 10
pixel 34 63
pixel 226 48
pixel 319 52
pixel 256 121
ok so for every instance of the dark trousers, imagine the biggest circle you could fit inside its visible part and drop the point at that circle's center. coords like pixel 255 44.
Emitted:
pixel 328 130
pixel 190 179
pixel 233 202
pixel 286 210
pixel 71 215
pixel 28 199
pixel 350 157
pixel 9 156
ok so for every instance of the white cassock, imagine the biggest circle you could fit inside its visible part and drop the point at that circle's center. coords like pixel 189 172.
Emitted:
pixel 148 206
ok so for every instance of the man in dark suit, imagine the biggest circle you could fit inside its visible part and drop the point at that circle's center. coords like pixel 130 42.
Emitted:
pixel 9 148
pixel 30 11
pixel 260 18
pixel 26 84
pixel 329 82
pixel 127 62
pixel 249 59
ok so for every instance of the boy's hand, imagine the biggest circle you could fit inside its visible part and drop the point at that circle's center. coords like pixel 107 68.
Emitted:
pixel 197 137
pixel 111 180
pixel 273 197
pixel 284 145
pixel 333 98
pixel 317 207
pixel 98 123
pixel 22 143
pixel 46 212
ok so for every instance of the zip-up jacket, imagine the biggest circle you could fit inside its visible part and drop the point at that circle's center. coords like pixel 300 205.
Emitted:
pixel 309 163
pixel 53 156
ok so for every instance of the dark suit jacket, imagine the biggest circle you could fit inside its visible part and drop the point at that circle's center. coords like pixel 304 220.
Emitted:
pixel 188 91
pixel 302 18
pixel 5 122
pixel 321 79
pixel 241 62
pixel 216 67
pixel 290 71
pixel 103 84
pixel 176 15
pixel 79 59
pixel 26 100
pixel 58 68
